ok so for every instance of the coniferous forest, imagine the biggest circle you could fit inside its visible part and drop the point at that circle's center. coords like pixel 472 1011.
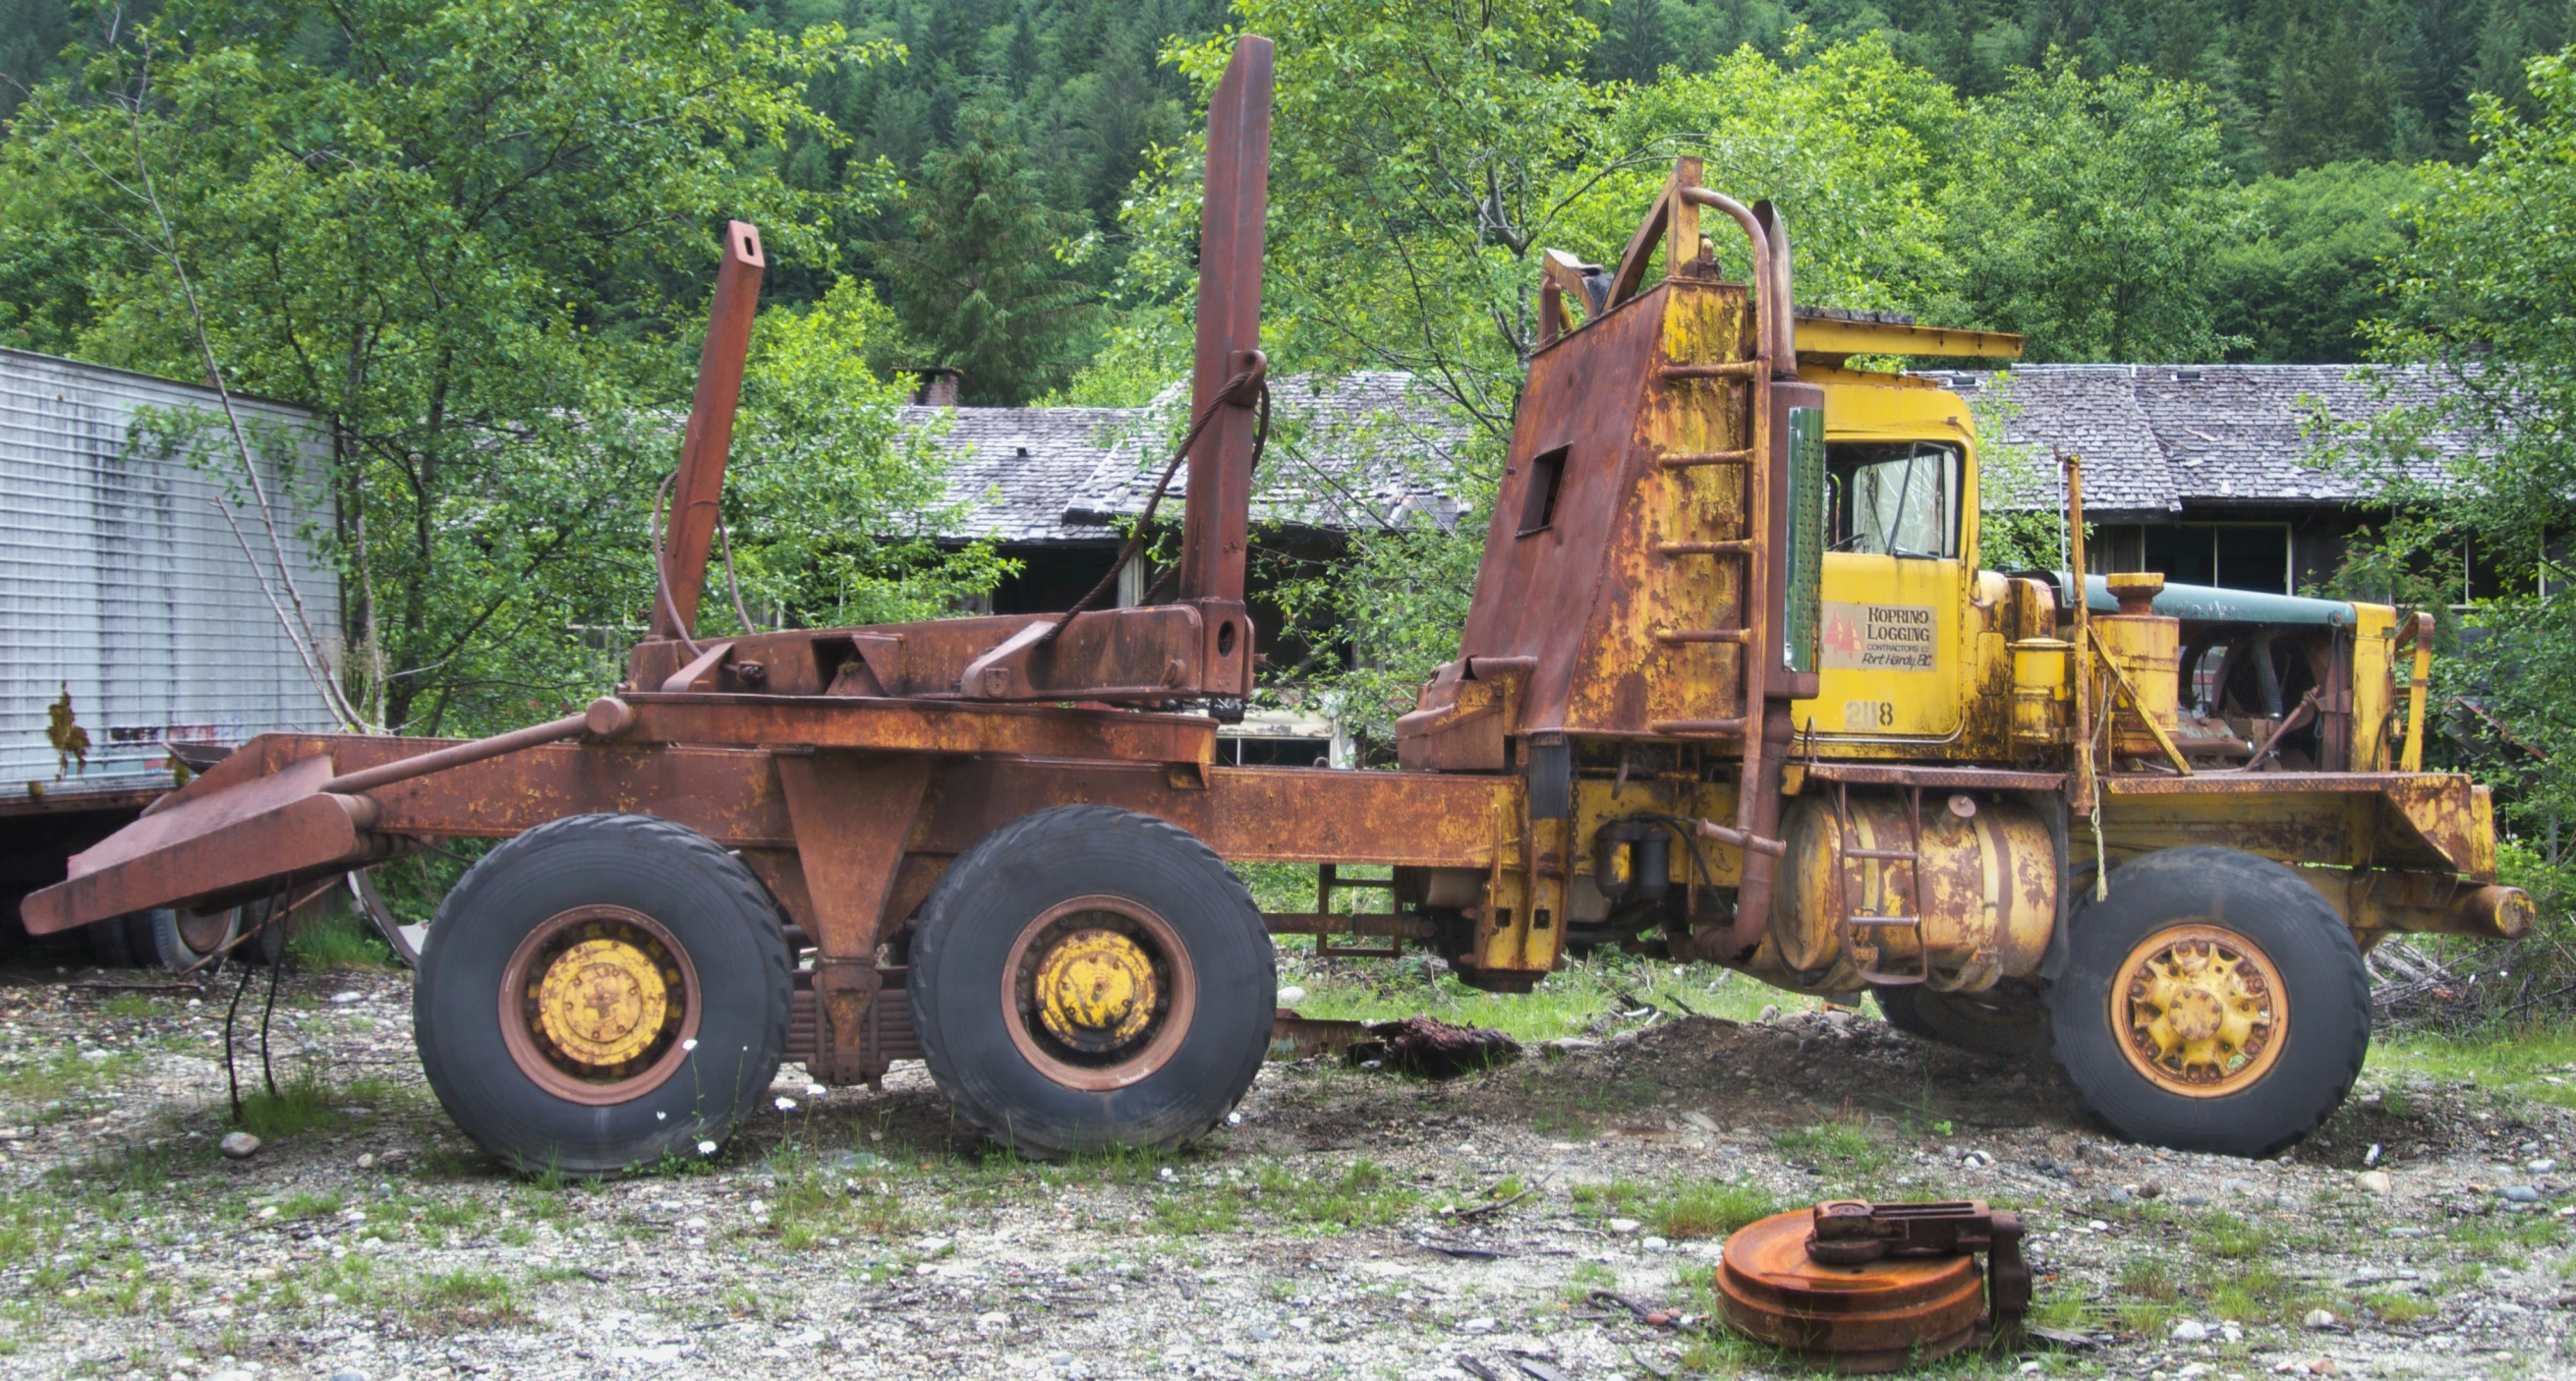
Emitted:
pixel 2319 113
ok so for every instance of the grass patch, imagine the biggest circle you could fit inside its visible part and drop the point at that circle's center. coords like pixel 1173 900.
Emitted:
pixel 1843 1152
pixel 2399 1307
pixel 2150 1278
pixel 2230 1238
pixel 465 1299
pixel 1581 999
pixel 2536 1059
pixel 2261 1292
pixel 308 1205
pixel 129 1005
pixel 63 1075
pixel 1360 1194
pixel 1575 1109
pixel 339 940
pixel 309 1102
pixel 1708 1208
pixel 819 1205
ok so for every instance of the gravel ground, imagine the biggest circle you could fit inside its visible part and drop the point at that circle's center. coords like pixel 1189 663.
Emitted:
pixel 1350 1224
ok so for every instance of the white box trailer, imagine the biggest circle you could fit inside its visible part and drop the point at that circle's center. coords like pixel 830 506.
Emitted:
pixel 132 618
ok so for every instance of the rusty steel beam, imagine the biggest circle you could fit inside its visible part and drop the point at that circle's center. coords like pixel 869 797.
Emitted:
pixel 710 435
pixel 1231 211
pixel 923 726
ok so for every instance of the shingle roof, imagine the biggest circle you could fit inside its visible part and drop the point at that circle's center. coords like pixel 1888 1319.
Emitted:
pixel 1372 447
pixel 1347 453
pixel 2158 437
pixel 1019 470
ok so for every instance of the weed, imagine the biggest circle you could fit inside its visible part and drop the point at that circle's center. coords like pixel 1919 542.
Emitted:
pixel 2265 1292
pixel 63 1076
pixel 1841 1152
pixel 466 1299
pixel 309 1102
pixel 2150 1278
pixel 302 1204
pixel 1359 1197
pixel 2394 1307
pixel 2230 1238
pixel 819 1207
pixel 1616 1197
pixel 1708 1208
pixel 339 940
pixel 128 1005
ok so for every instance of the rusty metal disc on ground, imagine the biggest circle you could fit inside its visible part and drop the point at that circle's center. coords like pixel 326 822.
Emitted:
pixel 1870 1317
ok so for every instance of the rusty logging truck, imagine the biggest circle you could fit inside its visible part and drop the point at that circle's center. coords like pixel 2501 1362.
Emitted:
pixel 1733 689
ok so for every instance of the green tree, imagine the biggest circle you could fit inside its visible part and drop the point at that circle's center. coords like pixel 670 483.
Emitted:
pixel 474 240
pixel 2296 288
pixel 2087 215
pixel 838 506
pixel 2479 299
pixel 981 284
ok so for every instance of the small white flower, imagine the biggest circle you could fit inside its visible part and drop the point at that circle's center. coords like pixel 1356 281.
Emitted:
pixel 661 1117
pixel 1234 1119
pixel 706 1148
pixel 1165 1174
pixel 690 1044
pixel 786 1104
pixel 815 1090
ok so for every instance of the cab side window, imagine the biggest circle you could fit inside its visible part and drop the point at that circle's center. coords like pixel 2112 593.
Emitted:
pixel 1895 498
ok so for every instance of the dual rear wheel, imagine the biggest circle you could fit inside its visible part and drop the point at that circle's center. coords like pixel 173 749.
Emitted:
pixel 607 991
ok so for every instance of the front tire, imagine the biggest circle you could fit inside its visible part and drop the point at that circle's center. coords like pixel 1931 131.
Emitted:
pixel 2211 1002
pixel 1085 978
pixel 606 990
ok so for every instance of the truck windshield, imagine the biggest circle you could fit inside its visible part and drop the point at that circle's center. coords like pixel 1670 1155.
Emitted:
pixel 1895 498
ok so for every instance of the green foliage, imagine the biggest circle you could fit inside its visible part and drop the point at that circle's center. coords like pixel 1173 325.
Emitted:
pixel 1708 1208
pixel 339 939
pixel 980 283
pixel 2297 287
pixel 2085 214
pixel 473 238
pixel 2478 300
pixel 836 502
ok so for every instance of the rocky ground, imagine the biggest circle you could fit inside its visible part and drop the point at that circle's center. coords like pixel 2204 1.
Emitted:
pixel 1350 1224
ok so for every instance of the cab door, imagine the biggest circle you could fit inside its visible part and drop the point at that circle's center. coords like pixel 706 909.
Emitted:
pixel 1894 590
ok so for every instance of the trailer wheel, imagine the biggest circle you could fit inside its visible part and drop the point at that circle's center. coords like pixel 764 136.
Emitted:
pixel 1086 978
pixel 121 942
pixel 2211 1002
pixel 606 990
pixel 181 938
pixel 2002 1023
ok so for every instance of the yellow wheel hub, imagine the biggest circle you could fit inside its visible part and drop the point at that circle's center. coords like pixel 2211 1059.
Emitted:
pixel 602 1001
pixel 2199 1011
pixel 1095 990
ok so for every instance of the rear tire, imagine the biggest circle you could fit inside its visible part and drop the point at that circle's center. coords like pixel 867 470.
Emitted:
pixel 606 990
pixel 2211 1002
pixel 1085 978
pixel 2002 1023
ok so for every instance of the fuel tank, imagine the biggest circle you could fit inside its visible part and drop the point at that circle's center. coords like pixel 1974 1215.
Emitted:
pixel 1965 900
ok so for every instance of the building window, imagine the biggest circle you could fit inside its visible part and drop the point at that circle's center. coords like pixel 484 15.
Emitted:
pixel 2234 556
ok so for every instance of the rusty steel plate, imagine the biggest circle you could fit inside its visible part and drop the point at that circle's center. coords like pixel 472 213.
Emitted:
pixel 1872 1317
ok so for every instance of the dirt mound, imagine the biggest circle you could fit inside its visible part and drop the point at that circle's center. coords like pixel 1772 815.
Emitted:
pixel 1788 1070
